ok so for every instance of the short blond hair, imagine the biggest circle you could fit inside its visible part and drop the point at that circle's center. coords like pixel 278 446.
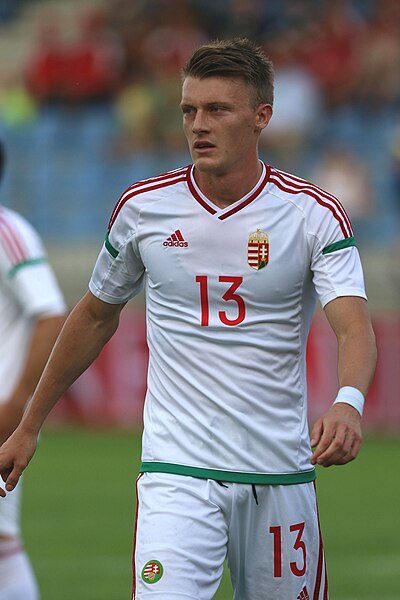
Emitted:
pixel 237 57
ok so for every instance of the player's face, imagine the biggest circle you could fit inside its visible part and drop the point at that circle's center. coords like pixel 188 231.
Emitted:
pixel 221 123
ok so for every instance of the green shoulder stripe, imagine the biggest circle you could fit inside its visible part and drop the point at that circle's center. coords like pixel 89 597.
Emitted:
pixel 26 263
pixel 231 476
pixel 346 243
pixel 113 251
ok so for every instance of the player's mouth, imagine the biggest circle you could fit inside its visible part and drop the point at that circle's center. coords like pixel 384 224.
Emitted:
pixel 203 147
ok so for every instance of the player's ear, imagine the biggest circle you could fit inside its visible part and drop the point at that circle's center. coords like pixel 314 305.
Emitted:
pixel 263 116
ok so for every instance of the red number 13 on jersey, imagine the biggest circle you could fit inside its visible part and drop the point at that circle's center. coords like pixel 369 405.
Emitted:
pixel 227 296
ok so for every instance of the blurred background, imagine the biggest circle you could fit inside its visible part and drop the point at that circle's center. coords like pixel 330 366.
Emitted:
pixel 89 94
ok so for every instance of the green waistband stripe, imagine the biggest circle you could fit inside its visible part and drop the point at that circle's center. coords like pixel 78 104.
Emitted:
pixel 230 476
pixel 346 243
pixel 26 263
pixel 113 251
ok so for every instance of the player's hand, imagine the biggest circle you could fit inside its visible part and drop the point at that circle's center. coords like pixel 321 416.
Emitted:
pixel 336 436
pixel 10 416
pixel 15 455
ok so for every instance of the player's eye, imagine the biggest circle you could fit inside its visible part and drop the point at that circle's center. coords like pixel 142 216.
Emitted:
pixel 187 110
pixel 217 108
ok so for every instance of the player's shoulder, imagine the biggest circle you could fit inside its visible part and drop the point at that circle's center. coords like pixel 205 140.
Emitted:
pixel 315 202
pixel 15 225
pixel 149 190
pixel 297 188
pixel 19 241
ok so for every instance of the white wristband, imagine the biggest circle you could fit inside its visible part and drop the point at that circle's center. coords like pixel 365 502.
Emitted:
pixel 351 395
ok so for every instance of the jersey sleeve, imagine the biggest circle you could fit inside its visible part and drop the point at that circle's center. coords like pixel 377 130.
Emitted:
pixel 25 269
pixel 335 260
pixel 119 271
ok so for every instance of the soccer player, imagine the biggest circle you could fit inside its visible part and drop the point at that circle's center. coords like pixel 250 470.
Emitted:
pixel 233 253
pixel 32 312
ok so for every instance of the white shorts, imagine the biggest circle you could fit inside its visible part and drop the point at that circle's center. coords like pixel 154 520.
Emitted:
pixel 186 527
pixel 10 512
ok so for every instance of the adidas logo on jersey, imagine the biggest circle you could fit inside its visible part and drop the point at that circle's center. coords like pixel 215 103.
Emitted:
pixel 176 239
pixel 304 595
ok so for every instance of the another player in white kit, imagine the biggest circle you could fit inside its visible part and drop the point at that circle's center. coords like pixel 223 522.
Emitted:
pixel 31 315
pixel 233 254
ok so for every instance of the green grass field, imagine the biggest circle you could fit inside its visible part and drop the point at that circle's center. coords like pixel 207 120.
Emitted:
pixel 78 513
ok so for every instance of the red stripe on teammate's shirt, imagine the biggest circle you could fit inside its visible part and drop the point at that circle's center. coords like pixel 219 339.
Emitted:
pixel 12 245
pixel 179 235
pixel 284 188
pixel 147 185
pixel 134 540
pixel 11 550
pixel 290 179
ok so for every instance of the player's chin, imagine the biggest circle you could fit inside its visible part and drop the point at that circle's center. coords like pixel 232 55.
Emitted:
pixel 206 164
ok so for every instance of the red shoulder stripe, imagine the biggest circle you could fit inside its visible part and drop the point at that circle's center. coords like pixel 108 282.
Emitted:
pixel 148 185
pixel 289 179
pixel 11 242
pixel 335 207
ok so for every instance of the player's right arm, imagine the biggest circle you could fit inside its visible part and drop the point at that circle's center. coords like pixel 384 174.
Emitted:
pixel 86 331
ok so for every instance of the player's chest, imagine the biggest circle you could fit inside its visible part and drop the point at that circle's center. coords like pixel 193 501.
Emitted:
pixel 260 253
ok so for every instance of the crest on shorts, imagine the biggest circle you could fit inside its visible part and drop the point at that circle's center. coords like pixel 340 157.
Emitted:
pixel 258 250
pixel 152 571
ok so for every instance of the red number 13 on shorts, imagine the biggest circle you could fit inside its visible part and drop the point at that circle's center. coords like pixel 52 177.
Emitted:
pixel 297 569
pixel 230 294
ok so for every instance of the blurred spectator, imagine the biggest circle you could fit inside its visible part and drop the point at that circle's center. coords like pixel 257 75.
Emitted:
pixel 8 10
pixel 148 106
pixel 45 72
pixel 396 170
pixel 331 50
pixel 17 107
pixel 297 104
pixel 346 177
pixel 246 19
pixel 379 81
pixel 84 70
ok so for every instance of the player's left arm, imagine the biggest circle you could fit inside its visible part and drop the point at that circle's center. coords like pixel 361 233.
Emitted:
pixel 337 435
pixel 45 333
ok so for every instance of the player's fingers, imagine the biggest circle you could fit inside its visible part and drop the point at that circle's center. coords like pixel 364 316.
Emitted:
pixel 344 447
pixel 333 446
pixel 324 442
pixel 316 433
pixel 13 478
pixel 352 453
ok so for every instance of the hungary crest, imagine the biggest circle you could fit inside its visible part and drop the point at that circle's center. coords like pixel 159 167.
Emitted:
pixel 258 250
pixel 152 571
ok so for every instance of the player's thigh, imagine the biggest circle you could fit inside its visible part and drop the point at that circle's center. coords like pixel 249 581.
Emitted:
pixel 278 552
pixel 180 539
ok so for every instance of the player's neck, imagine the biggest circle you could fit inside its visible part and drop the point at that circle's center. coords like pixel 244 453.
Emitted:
pixel 227 188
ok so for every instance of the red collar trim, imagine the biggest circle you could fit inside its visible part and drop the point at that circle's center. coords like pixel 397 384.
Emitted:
pixel 228 212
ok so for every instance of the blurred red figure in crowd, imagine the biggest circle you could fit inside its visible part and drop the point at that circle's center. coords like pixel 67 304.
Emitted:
pixel 85 69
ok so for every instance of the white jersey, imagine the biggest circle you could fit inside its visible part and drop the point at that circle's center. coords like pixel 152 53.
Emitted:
pixel 28 289
pixel 230 299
